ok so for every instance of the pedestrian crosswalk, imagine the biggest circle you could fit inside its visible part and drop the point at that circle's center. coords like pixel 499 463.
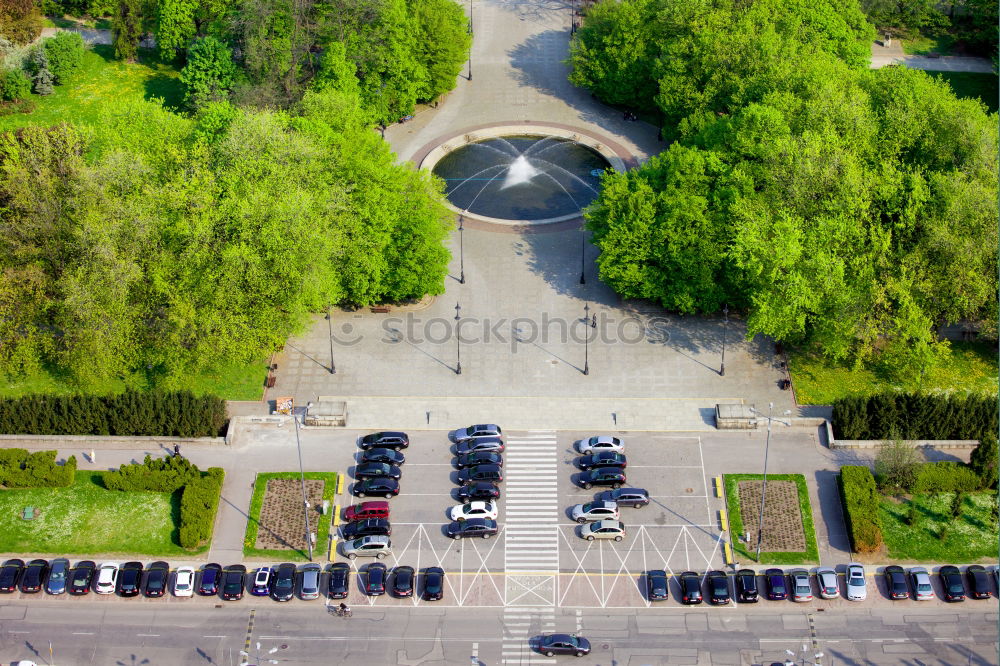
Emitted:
pixel 520 625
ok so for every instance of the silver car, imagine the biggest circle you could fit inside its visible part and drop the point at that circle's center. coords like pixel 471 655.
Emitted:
pixel 604 529
pixel 921 580
pixel 309 581
pixel 494 444
pixel 857 586
pixel 599 510
pixel 826 579
pixel 368 546
pixel 600 443
pixel 478 431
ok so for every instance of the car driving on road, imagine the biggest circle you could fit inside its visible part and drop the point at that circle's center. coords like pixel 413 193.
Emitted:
pixel 571 644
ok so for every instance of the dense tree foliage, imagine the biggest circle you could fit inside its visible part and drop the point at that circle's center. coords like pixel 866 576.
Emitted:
pixel 65 53
pixel 209 74
pixel 20 21
pixel 162 244
pixel 843 207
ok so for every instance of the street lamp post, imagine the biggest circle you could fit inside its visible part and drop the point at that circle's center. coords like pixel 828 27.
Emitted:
pixel 458 338
pixel 461 247
pixel 583 247
pixel 589 323
pixel 803 658
pixel 329 321
pixel 302 478
pixel 725 329
pixel 763 492
pixel 470 47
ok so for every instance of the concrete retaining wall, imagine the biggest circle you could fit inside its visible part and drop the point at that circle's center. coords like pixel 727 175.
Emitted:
pixel 916 443
pixel 91 441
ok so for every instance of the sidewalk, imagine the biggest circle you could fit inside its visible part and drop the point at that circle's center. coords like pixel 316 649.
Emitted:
pixel 883 56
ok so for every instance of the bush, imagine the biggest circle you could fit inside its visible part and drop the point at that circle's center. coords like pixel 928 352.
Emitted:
pixel 915 416
pixel 20 469
pixel 983 461
pixel 945 477
pixel 162 475
pixel 861 508
pixel 14 85
pixel 209 74
pixel 896 465
pixel 199 502
pixel 41 76
pixel 65 54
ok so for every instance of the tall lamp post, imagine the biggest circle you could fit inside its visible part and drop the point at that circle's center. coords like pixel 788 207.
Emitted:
pixel 590 323
pixel 725 329
pixel 329 321
pixel 583 247
pixel 461 247
pixel 470 47
pixel 763 492
pixel 458 338
pixel 302 478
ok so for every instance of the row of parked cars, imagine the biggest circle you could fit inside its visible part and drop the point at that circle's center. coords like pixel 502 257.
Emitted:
pixel 479 460
pixel 603 463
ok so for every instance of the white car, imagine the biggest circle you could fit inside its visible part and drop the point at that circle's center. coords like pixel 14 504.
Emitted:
pixel 599 510
pixel 184 582
pixel 107 578
pixel 473 510
pixel 826 579
pixel 857 586
pixel 604 529
pixel 600 443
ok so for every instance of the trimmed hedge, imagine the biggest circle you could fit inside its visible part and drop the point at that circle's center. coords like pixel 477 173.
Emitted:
pixel 161 413
pixel 162 475
pixel 199 502
pixel 20 469
pixel 945 477
pixel 915 416
pixel 861 507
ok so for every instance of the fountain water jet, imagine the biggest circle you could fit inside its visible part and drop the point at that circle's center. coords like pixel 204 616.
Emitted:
pixel 519 172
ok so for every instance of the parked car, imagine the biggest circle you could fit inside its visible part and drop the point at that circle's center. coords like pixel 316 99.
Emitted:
pixel 365 510
pixel 385 440
pixel 600 443
pixel 746 586
pixel 261 585
pixel 380 485
pixel 375 574
pixel 657 587
pixel 34 576
pixel 367 527
pixel 107 578
pixel 478 490
pixel 369 546
pixel 157 576
pixel 402 581
pixel 58 571
pixel 951 581
pixel 602 459
pixel 603 529
pixel 479 431
pixel 130 579
pixel 233 582
pixel 380 455
pixel 473 527
pixel 82 577
pixel 477 509
pixel 800 584
pixel 184 582
pixel 479 458
pixel 895 582
pixel 633 497
pixel 480 444
pixel 339 585
pixel 921 581
pixel 826 580
pixel 857 586
pixel 283 582
pixel 718 588
pixel 309 576
pixel 10 575
pixel 776 589
pixel 433 584
pixel 603 476
pixel 979 581
pixel 690 588
pixel 211 574
pixel 553 644
pixel 373 470
pixel 491 473
pixel 596 510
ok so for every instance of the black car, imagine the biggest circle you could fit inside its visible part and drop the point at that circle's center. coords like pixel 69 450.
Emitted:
pixel 895 582
pixel 656 585
pixel 951 581
pixel 209 583
pixel 385 440
pixel 360 528
pixel 479 458
pixel 283 582
pixel 690 587
pixel 433 584
pixel 81 577
pixel 746 586
pixel 602 459
pixel 553 644
pixel 130 579
pixel 491 473
pixel 156 579
pixel 10 575
pixel 633 497
pixel 375 574
pixel 233 582
pixel 979 581
pixel 339 585
pixel 478 490
pixel 473 527
pixel 34 576
pixel 603 476
pixel 390 456
pixel 373 469
pixel 402 581
pixel 777 590
pixel 380 485
pixel 718 588
pixel 58 570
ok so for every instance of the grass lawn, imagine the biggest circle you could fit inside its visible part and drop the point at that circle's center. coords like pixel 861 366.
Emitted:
pixel 922 45
pixel 972 537
pixel 100 81
pixel 974 85
pixel 972 366
pixel 86 518
pixel 748 551
pixel 322 528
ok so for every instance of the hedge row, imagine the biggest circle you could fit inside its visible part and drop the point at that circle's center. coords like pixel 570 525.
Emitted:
pixel 20 469
pixel 162 475
pixel 199 502
pixel 945 477
pixel 160 413
pixel 861 507
pixel 915 416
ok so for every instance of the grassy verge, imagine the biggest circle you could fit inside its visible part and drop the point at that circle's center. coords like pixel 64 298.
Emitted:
pixel 87 518
pixel 973 85
pixel 972 366
pixel 323 522
pixel 924 45
pixel 971 537
pixel 811 554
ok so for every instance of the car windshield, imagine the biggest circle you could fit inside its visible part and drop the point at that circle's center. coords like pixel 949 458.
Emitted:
pixel 155 583
pixel 720 586
pixel 56 575
pixel 924 587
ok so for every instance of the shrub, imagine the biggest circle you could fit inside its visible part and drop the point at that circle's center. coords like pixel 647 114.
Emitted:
pixel 14 85
pixel 915 416
pixel 162 475
pixel 945 477
pixel 983 461
pixel 861 508
pixel 956 504
pixel 41 75
pixel 20 469
pixel 199 502
pixel 209 74
pixel 913 514
pixel 896 465
pixel 65 54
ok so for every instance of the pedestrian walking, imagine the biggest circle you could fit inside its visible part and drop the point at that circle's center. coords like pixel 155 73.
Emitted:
pixel 93 456
pixel 177 450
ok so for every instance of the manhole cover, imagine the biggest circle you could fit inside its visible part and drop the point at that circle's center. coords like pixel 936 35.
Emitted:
pixel 284 646
pixel 553 362
pixel 689 490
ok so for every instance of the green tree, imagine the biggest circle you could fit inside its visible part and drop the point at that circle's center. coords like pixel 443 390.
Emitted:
pixel 896 465
pixel 20 21
pixel 65 55
pixel 209 74
pixel 127 27
pixel 983 461
pixel 442 44
pixel 43 83
pixel 178 22
pixel 14 85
